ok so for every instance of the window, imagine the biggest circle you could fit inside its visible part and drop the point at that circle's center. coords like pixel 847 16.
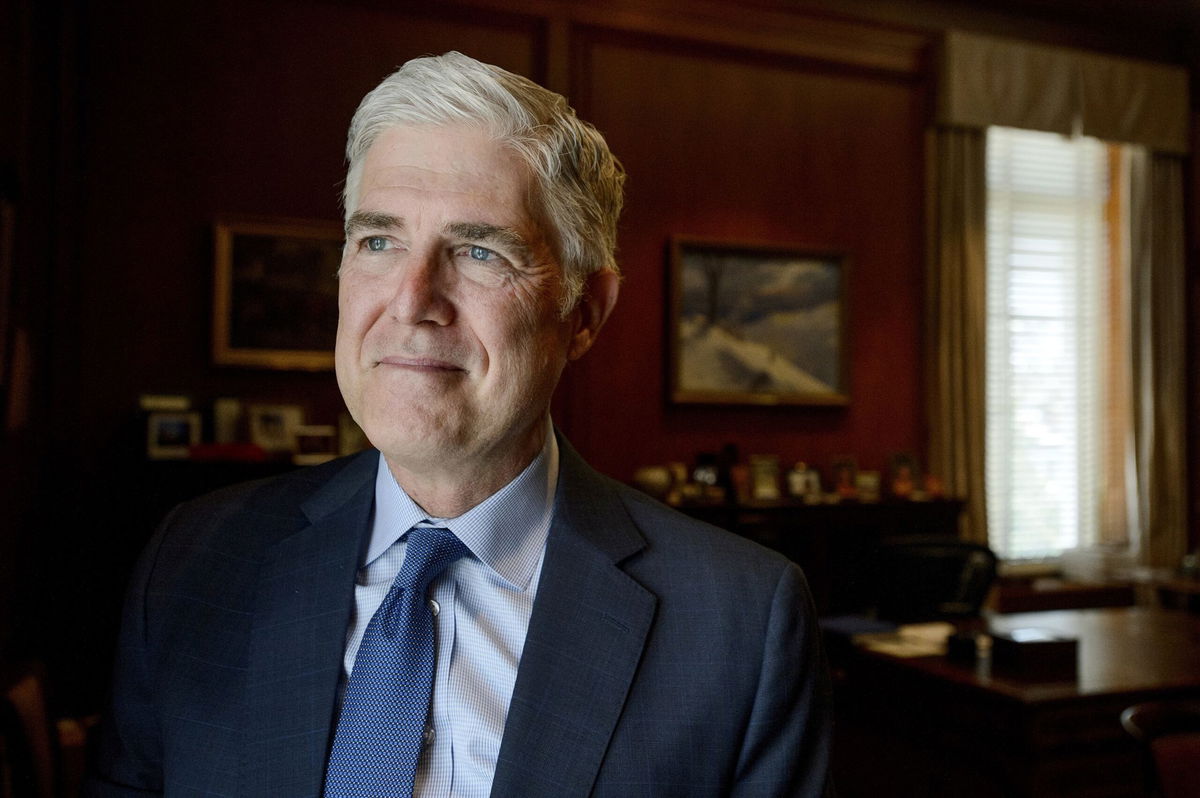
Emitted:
pixel 1056 343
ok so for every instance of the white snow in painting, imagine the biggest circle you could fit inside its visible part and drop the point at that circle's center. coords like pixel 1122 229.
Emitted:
pixel 717 360
pixel 775 330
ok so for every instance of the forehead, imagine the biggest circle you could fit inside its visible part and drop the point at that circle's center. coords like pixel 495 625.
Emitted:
pixel 447 161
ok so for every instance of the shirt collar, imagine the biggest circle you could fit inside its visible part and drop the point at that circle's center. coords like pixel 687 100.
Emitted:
pixel 507 531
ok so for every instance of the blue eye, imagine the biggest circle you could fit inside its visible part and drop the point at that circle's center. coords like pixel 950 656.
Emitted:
pixel 376 243
pixel 480 253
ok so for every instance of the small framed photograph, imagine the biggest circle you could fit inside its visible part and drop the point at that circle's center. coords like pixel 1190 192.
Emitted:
pixel 904 477
pixel 168 402
pixel 275 293
pixel 273 427
pixel 845 478
pixel 764 477
pixel 315 444
pixel 759 324
pixel 227 420
pixel 866 486
pixel 171 435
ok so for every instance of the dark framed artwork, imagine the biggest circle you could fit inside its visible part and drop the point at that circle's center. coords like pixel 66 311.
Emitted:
pixel 275 293
pixel 170 435
pixel 760 324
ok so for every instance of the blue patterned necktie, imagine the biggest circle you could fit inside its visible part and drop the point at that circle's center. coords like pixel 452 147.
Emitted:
pixel 381 729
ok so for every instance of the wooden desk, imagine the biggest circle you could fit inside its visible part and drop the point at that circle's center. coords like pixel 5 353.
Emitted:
pixel 1179 593
pixel 938 728
pixel 1039 595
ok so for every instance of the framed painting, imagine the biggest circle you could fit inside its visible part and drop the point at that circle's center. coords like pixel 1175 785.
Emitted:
pixel 756 324
pixel 275 293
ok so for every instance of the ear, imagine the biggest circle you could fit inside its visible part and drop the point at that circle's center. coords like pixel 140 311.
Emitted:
pixel 599 297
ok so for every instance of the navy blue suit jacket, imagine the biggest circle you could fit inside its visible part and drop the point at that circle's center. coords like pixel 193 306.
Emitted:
pixel 664 657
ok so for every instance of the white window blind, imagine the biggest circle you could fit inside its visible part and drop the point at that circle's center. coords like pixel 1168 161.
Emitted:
pixel 1047 261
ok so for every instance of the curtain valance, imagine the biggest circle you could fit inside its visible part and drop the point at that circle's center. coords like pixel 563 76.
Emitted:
pixel 990 81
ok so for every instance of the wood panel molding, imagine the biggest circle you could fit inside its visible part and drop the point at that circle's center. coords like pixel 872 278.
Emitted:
pixel 791 34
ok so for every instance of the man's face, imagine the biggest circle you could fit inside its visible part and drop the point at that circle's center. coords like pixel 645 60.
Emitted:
pixel 449 340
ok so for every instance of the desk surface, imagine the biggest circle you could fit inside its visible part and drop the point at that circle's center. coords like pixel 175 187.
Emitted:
pixel 1012 737
pixel 1121 650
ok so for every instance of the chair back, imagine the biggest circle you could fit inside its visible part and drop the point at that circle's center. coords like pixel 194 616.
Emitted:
pixel 1169 733
pixel 26 747
pixel 928 578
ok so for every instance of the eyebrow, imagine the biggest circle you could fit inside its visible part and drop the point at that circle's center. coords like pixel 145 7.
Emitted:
pixel 372 220
pixel 471 231
pixel 489 233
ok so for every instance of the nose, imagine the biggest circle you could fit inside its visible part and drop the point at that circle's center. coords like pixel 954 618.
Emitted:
pixel 420 294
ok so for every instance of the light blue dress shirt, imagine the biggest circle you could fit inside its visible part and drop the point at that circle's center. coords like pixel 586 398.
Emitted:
pixel 482 605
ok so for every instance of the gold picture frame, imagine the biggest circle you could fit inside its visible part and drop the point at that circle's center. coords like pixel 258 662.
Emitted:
pixel 275 292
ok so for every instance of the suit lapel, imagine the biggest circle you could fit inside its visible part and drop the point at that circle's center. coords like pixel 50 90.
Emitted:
pixel 301 610
pixel 585 639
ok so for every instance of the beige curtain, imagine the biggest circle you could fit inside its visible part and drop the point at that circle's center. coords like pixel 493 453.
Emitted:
pixel 992 81
pixel 987 81
pixel 1158 323
pixel 957 319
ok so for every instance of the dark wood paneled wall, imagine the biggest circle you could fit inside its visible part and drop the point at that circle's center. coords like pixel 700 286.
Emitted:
pixel 208 108
pixel 192 110
pixel 735 145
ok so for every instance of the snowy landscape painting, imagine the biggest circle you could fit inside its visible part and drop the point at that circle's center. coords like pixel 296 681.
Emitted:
pixel 756 324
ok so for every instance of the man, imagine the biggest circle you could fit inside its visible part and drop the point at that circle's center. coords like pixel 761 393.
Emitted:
pixel 566 636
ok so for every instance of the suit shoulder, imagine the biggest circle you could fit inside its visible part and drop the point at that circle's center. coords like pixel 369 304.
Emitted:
pixel 248 515
pixel 699 569
pixel 667 528
pixel 282 493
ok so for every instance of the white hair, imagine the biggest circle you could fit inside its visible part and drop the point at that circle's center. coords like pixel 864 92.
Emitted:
pixel 578 181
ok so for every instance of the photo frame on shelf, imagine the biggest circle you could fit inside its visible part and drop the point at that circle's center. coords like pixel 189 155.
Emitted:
pixel 273 427
pixel 843 479
pixel 170 435
pixel 904 476
pixel 275 293
pixel 756 324
pixel 315 444
pixel 764 477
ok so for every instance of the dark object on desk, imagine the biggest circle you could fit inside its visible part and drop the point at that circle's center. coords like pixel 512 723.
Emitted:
pixel 964 647
pixel 930 578
pixel 1036 654
pixel 1169 732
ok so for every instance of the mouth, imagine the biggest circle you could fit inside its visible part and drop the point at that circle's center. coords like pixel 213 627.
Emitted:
pixel 427 365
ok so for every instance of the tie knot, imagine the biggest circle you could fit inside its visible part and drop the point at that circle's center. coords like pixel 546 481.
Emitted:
pixel 429 552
